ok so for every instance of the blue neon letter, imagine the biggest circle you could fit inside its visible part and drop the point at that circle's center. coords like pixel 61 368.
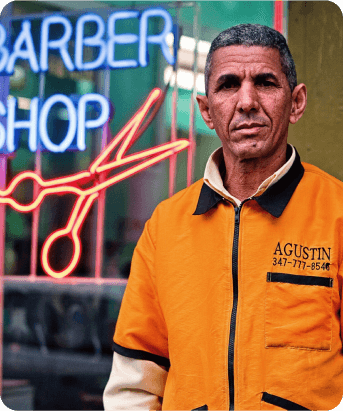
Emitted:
pixel 114 38
pixel 144 39
pixel 3 50
pixel 60 44
pixel 83 123
pixel 28 54
pixel 2 128
pixel 43 132
pixel 95 41
pixel 30 124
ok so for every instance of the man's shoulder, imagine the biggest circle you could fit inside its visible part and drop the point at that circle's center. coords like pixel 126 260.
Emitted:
pixel 319 175
pixel 180 206
pixel 186 199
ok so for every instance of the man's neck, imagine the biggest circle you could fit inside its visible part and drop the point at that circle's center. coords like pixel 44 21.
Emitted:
pixel 243 177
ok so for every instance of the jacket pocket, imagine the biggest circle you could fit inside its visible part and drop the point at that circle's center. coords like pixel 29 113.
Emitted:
pixel 298 311
pixel 279 402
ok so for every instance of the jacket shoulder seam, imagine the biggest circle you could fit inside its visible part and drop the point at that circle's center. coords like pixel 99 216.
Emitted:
pixel 326 176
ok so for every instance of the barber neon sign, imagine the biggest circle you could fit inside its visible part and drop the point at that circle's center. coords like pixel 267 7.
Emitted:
pixel 23 46
pixel 103 42
pixel 95 179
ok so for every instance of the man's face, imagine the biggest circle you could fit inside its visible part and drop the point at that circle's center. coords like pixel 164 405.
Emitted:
pixel 249 101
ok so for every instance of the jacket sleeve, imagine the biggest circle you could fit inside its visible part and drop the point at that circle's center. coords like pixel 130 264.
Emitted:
pixel 134 384
pixel 140 362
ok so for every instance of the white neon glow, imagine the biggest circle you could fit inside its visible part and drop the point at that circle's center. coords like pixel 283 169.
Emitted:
pixel 12 124
pixel 94 41
pixel 114 38
pixel 185 79
pixel 84 124
pixel 29 53
pixel 3 50
pixel 188 43
pixel 57 148
pixel 160 39
pixel 204 46
pixel 60 44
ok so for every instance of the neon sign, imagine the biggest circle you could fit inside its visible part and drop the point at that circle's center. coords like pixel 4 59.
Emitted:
pixel 104 49
pixel 37 122
pixel 24 48
pixel 97 174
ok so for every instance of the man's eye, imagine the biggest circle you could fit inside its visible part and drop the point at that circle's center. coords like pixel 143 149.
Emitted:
pixel 229 85
pixel 266 83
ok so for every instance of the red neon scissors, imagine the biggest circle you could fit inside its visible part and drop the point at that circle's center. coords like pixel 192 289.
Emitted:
pixel 97 173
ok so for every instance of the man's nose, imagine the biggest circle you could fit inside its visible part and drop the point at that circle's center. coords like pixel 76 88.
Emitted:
pixel 247 99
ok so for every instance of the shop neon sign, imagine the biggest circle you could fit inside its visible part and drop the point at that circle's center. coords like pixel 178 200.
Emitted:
pixel 38 119
pixel 104 49
pixel 97 175
pixel 23 45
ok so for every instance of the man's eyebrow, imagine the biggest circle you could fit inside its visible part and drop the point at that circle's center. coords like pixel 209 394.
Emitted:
pixel 227 77
pixel 266 76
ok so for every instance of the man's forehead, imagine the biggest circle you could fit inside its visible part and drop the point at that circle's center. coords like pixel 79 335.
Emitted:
pixel 238 57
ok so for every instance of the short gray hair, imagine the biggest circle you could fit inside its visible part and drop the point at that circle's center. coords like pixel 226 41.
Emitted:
pixel 254 35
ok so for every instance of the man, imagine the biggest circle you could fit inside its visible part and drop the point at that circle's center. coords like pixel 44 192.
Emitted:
pixel 234 296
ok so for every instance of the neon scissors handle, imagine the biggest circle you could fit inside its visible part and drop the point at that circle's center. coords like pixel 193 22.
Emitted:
pixel 72 231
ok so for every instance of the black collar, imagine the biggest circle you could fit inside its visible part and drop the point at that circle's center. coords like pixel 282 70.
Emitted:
pixel 274 200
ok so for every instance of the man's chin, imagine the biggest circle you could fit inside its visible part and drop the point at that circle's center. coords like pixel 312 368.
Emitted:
pixel 249 150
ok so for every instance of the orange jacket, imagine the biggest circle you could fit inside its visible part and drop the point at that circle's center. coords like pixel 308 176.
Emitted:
pixel 242 304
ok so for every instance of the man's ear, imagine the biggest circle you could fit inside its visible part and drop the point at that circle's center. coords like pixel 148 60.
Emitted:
pixel 205 110
pixel 299 101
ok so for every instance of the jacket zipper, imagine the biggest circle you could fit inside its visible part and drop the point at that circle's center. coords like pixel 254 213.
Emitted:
pixel 234 308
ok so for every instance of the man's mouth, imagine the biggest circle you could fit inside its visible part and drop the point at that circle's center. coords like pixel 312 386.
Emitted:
pixel 249 126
